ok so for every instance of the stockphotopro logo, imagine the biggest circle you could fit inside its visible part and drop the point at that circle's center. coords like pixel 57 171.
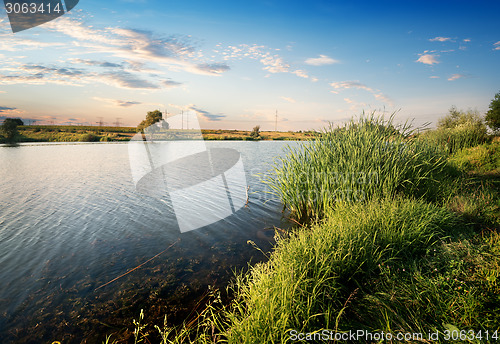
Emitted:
pixel 24 15
pixel 170 162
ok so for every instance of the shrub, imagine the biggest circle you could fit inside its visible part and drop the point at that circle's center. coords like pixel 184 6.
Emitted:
pixel 89 138
pixel 458 130
pixel 255 134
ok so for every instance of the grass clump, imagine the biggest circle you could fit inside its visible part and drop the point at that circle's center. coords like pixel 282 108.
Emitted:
pixel 482 158
pixel 458 130
pixel 313 276
pixel 368 158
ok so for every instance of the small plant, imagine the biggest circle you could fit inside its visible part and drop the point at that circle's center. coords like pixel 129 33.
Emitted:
pixel 138 328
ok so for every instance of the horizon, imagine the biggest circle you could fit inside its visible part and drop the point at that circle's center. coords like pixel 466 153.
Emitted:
pixel 236 64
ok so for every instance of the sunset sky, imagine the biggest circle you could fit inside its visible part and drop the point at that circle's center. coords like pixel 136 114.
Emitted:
pixel 235 63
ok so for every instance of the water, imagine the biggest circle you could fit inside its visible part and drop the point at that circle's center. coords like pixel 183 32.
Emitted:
pixel 71 221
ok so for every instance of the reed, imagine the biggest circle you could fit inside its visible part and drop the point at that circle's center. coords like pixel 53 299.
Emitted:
pixel 454 139
pixel 367 158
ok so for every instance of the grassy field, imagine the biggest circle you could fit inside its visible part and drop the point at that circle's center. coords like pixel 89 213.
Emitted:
pixel 66 133
pixel 418 255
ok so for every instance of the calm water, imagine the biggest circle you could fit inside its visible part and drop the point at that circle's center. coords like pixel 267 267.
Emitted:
pixel 71 220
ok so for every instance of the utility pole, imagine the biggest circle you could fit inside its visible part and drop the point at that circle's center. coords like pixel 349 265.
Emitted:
pixel 100 121
pixel 276 122
pixel 118 121
pixel 187 121
pixel 182 120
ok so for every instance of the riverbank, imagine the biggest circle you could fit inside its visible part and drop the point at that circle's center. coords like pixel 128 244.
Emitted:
pixel 68 133
pixel 419 255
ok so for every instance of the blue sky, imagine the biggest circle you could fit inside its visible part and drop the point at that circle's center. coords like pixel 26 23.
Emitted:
pixel 236 62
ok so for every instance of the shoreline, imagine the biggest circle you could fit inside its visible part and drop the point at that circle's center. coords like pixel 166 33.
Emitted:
pixel 69 133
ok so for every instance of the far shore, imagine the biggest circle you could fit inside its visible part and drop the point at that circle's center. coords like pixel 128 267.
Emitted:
pixel 71 133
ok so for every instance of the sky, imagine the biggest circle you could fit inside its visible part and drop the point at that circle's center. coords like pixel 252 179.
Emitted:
pixel 238 63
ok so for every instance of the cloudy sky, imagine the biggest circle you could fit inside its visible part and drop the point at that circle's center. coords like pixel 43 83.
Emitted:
pixel 235 63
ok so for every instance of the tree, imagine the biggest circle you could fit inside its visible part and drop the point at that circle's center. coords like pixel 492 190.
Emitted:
pixel 151 118
pixel 255 134
pixel 457 118
pixel 493 115
pixel 9 129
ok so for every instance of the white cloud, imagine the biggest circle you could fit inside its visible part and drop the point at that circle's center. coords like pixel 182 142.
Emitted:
pixel 173 52
pixel 497 45
pixel 440 39
pixel 342 85
pixel 116 102
pixel 455 77
pixel 301 73
pixel 171 83
pixel 434 77
pixel 321 60
pixel 288 99
pixel 467 40
pixel 383 98
pixel 349 84
pixel 207 116
pixel 428 59
pixel 275 64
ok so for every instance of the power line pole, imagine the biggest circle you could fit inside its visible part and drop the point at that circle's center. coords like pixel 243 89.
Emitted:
pixel 182 120
pixel 118 121
pixel 276 122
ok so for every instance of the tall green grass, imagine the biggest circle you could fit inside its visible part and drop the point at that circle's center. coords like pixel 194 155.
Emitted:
pixel 454 139
pixel 366 158
pixel 482 158
pixel 313 276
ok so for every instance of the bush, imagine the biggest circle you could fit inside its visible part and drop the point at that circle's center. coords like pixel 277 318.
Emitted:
pixel 9 129
pixel 89 138
pixel 255 134
pixel 458 130
pixel 483 158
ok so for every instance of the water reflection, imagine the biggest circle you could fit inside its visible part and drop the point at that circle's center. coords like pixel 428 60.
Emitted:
pixel 71 221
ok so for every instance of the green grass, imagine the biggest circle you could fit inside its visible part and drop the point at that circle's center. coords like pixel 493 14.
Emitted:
pixel 396 266
pixel 481 158
pixel 457 138
pixel 311 276
pixel 365 159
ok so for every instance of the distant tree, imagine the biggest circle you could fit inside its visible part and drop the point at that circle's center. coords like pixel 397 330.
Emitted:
pixel 151 118
pixel 18 121
pixel 9 129
pixel 255 134
pixel 493 115
pixel 456 118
